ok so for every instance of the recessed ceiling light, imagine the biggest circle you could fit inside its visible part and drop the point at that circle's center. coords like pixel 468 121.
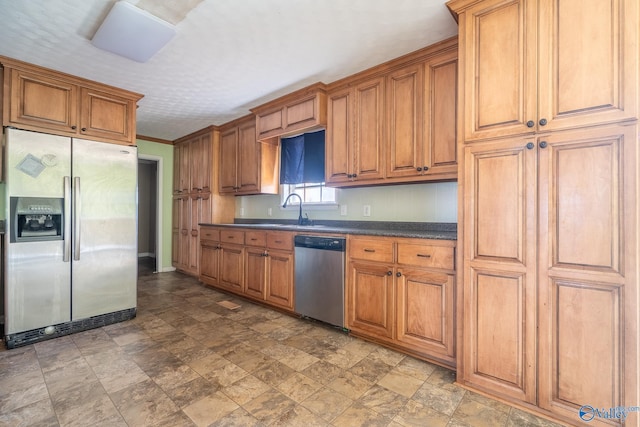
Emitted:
pixel 132 32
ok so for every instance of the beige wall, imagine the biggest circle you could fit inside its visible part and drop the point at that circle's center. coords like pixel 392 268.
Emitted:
pixel 432 202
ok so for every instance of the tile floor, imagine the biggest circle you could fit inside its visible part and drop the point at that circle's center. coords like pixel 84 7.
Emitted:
pixel 185 360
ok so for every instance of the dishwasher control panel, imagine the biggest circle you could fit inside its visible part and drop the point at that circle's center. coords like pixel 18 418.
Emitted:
pixel 320 242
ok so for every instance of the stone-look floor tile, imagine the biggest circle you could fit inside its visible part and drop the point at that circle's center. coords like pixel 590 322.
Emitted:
pixel 370 369
pixel 298 387
pixel 499 406
pixel 299 416
pixel 358 415
pixel 350 385
pixel 185 394
pixel 53 346
pixel 274 373
pixel 245 389
pixel 416 368
pixel 171 376
pixel 519 418
pixel 344 358
pixel 75 373
pixel 177 419
pixel 210 409
pixel 388 356
pixel 441 399
pixel 327 403
pixel 18 395
pixel 118 374
pixel 208 363
pixel 225 374
pixel 479 415
pixel 58 359
pixel 322 372
pixel 143 404
pixel 443 378
pixel 415 414
pixel 401 383
pixel 294 358
pixel 38 413
pixel 247 358
pixel 268 406
pixel 383 401
pixel 239 418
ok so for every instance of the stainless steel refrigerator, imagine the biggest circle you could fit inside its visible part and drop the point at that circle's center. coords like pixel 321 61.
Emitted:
pixel 71 235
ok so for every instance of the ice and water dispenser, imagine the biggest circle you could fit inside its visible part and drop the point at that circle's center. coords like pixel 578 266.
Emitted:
pixel 36 219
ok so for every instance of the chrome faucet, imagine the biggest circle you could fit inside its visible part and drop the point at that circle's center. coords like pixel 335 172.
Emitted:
pixel 301 220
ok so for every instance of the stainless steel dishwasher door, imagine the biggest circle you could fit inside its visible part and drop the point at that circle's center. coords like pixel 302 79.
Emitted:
pixel 319 278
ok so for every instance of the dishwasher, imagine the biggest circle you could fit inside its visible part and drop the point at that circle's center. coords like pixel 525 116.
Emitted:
pixel 319 278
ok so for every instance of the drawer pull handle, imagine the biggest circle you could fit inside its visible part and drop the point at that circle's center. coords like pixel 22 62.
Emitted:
pixel 253 239
pixel 370 250
pixel 278 241
pixel 230 237
pixel 424 256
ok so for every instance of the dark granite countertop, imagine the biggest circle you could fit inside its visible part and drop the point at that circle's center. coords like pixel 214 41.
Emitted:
pixel 421 230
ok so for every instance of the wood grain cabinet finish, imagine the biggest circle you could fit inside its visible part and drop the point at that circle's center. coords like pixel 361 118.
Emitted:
pixel 527 73
pixel 40 99
pixel 301 110
pixel 257 264
pixel 193 181
pixel 395 123
pixel 549 190
pixel 247 166
pixel 400 292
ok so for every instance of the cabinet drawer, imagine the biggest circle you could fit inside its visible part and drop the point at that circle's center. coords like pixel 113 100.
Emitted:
pixel 232 236
pixel 207 233
pixel 255 238
pixel 426 256
pixel 371 249
pixel 280 240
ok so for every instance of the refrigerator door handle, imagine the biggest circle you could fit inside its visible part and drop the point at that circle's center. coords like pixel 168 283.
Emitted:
pixel 76 218
pixel 66 238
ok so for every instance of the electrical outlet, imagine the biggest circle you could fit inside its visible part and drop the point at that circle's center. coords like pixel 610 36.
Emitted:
pixel 343 210
pixel 269 212
pixel 366 210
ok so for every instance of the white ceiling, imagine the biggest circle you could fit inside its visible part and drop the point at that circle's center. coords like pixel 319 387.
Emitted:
pixel 228 55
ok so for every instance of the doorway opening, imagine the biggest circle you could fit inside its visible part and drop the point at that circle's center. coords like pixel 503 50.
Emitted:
pixel 149 214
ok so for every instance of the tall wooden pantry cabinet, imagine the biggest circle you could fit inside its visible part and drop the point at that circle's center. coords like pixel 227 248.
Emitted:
pixel 548 225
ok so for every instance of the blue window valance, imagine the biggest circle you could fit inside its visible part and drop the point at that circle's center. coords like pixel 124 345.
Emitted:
pixel 302 158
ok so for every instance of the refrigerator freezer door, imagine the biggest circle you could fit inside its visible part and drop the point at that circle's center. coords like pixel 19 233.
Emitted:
pixel 37 280
pixel 105 185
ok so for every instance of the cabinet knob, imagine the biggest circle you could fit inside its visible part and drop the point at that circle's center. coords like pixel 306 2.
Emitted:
pixel 530 145
pixel 543 144
pixel 354 175
pixel 389 273
pixel 425 168
pixel 398 274
pixel 419 169
pixel 74 127
pixel 83 129
pixel 531 124
pixel 542 122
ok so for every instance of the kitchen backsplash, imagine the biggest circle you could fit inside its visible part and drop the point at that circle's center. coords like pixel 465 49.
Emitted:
pixel 431 202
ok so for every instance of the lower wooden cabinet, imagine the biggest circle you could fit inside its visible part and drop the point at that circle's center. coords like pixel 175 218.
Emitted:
pixel 257 264
pixel 400 292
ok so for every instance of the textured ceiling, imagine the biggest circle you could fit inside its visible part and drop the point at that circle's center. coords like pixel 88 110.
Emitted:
pixel 228 55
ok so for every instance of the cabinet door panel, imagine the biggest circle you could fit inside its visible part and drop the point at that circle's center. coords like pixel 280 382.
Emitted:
pixel 280 279
pixel 500 68
pixel 209 268
pixel 42 101
pixel 405 121
pixel 228 161
pixel 107 116
pixel 254 272
pixel 231 262
pixel 425 312
pixel 249 158
pixel 369 130
pixel 441 82
pixel 370 307
pixel 339 137
pixel 584 62
pixel 201 160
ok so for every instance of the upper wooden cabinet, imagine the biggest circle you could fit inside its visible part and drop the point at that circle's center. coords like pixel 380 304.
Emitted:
pixel 44 100
pixel 395 123
pixel 557 65
pixel 247 166
pixel 301 110
pixel 355 134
